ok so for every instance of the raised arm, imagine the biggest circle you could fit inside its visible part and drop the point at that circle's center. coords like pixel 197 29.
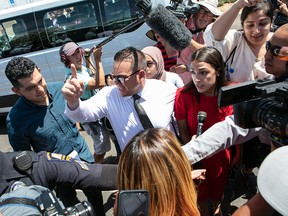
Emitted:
pixel 98 79
pixel 72 90
pixel 224 22
pixel 220 136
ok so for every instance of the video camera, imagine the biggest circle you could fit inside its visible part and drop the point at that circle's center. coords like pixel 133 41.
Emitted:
pixel 178 7
pixel 262 103
pixel 180 10
pixel 48 204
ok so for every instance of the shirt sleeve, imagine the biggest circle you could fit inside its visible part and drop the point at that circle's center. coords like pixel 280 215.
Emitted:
pixel 92 109
pixel 218 137
pixel 225 46
pixel 180 110
pixel 18 141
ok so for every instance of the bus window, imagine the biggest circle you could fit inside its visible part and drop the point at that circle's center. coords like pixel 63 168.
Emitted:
pixel 116 14
pixel 77 23
pixel 4 42
pixel 18 37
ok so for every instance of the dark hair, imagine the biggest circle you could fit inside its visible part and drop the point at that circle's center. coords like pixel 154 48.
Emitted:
pixel 264 5
pixel 19 68
pixel 137 57
pixel 213 57
pixel 106 77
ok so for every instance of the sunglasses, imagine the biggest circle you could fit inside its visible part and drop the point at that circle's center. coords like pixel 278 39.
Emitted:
pixel 274 50
pixel 122 79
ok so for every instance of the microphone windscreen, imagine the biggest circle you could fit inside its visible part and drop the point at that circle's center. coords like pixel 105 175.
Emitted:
pixel 201 117
pixel 169 27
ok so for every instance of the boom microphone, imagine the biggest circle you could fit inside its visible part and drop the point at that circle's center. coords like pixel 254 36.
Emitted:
pixel 201 118
pixel 169 27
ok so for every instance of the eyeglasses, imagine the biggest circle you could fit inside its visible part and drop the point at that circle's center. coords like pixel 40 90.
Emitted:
pixel 150 63
pixel 110 76
pixel 274 50
pixel 204 12
pixel 122 79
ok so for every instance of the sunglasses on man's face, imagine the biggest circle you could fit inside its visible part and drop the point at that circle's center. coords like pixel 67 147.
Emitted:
pixel 122 79
pixel 275 50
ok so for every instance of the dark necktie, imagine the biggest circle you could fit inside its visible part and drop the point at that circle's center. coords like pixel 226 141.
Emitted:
pixel 144 119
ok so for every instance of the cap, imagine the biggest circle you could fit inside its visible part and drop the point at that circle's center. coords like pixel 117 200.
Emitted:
pixel 211 5
pixel 69 48
pixel 151 34
pixel 272 179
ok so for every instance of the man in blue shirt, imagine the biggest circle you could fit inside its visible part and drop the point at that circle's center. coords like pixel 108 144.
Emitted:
pixel 37 119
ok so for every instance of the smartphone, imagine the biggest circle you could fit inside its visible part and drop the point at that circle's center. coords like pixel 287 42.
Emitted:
pixel 134 203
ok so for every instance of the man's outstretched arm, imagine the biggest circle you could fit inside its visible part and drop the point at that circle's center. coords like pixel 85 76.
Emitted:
pixel 220 136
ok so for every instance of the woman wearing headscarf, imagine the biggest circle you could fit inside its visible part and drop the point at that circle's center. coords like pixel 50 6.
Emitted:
pixel 155 67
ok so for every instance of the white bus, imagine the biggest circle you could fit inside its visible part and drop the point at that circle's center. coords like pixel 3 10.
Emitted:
pixel 37 30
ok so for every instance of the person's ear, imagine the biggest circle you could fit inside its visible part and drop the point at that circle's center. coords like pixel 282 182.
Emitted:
pixel 142 74
pixel 16 91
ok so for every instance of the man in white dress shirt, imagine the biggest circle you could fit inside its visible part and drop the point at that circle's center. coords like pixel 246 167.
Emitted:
pixel 116 102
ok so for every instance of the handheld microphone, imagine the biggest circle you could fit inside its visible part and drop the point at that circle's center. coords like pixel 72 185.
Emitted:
pixel 169 27
pixel 201 118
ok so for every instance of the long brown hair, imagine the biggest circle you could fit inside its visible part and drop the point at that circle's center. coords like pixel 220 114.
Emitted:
pixel 154 160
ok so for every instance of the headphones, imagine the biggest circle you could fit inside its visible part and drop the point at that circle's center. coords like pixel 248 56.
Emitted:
pixel 63 56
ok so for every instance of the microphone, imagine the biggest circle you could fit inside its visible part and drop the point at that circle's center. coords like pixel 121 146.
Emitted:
pixel 169 27
pixel 201 118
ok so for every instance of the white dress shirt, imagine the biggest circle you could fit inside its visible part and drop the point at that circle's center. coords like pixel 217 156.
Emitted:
pixel 157 99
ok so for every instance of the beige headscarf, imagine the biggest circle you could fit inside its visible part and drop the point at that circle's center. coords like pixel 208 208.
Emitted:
pixel 156 55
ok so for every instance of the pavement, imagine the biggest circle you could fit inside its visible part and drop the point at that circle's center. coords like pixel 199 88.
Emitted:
pixel 236 194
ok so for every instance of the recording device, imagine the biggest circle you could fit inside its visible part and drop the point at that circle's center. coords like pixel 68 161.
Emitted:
pixel 262 103
pixel 201 118
pixel 133 202
pixel 169 27
pixel 48 204
pixel 180 10
pixel 23 162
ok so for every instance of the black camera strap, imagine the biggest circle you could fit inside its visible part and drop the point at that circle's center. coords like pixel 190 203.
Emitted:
pixel 231 56
pixel 18 201
pixel 228 68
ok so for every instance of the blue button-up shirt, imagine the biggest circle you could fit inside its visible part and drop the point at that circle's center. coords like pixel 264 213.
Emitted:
pixel 45 128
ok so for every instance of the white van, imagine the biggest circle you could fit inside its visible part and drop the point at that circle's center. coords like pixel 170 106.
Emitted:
pixel 37 30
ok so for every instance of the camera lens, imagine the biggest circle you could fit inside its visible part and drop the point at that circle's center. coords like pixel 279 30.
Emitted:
pixel 82 209
pixel 271 115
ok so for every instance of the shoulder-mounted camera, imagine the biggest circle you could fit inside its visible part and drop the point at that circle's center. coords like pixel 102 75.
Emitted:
pixel 262 103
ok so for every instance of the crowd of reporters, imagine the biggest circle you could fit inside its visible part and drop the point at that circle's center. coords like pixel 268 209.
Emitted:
pixel 44 118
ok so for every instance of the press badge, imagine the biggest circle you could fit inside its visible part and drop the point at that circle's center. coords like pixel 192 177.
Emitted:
pixel 83 165
pixel 56 156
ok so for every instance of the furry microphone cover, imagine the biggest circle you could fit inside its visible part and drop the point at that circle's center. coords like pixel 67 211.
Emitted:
pixel 169 27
